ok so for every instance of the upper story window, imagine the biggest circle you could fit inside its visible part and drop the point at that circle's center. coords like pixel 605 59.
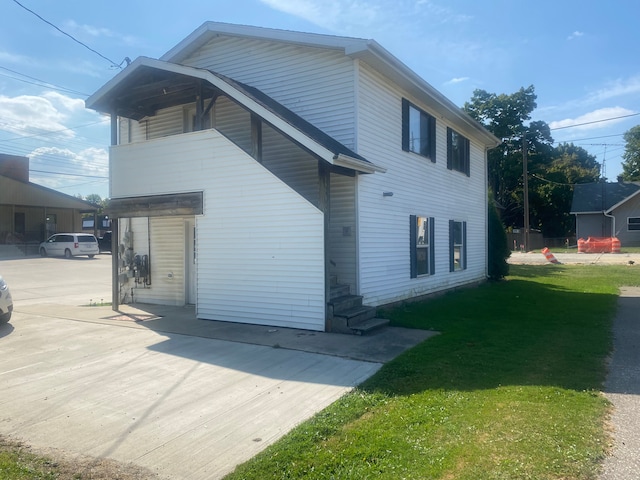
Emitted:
pixel 418 131
pixel 458 154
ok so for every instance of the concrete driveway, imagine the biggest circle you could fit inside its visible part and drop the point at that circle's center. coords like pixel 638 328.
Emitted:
pixel 186 407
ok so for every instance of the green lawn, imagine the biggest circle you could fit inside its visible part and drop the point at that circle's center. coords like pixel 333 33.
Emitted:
pixel 509 390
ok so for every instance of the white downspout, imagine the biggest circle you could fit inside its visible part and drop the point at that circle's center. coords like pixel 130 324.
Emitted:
pixel 613 224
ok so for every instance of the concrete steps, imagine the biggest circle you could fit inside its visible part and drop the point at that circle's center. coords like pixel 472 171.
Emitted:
pixel 348 314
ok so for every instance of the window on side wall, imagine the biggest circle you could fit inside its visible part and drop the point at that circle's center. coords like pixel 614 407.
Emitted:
pixel 422 246
pixel 189 120
pixel 418 131
pixel 633 223
pixel 457 245
pixel 458 154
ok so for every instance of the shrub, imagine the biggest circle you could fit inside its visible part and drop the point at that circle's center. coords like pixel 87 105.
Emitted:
pixel 498 267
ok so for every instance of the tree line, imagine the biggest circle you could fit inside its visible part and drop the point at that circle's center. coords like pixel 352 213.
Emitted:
pixel 552 170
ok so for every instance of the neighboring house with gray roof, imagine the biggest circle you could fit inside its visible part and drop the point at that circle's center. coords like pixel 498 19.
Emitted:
pixel 286 178
pixel 608 210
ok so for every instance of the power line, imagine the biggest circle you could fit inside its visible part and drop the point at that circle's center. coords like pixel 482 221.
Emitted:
pixel 587 123
pixel 70 174
pixel 551 181
pixel 113 64
pixel 590 138
pixel 50 132
pixel 40 83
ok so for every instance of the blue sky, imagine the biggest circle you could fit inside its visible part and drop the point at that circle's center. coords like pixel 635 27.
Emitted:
pixel 580 56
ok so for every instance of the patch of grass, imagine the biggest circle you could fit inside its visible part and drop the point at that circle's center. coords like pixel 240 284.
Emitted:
pixel 18 463
pixel 509 390
pixel 21 462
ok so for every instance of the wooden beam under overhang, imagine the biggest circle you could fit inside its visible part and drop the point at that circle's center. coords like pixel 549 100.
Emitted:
pixel 177 204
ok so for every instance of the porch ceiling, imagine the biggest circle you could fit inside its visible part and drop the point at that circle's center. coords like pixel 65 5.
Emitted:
pixel 148 85
pixel 149 89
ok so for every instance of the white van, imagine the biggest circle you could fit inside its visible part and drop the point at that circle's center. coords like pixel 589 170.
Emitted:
pixel 70 245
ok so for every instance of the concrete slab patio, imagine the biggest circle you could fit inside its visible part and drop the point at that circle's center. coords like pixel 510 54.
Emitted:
pixel 154 386
pixel 185 407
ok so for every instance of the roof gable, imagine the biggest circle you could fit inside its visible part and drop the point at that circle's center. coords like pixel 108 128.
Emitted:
pixel 147 85
pixel 601 197
pixel 368 51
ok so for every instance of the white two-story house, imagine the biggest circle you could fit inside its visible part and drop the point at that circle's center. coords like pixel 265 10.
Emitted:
pixel 290 179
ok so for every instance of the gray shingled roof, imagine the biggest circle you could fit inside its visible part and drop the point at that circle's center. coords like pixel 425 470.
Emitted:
pixel 600 197
pixel 292 118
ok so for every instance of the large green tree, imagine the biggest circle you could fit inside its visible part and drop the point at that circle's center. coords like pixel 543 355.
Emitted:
pixel 551 171
pixel 631 155
pixel 551 188
pixel 504 116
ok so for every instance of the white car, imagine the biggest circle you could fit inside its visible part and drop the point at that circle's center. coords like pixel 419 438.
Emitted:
pixel 70 245
pixel 6 303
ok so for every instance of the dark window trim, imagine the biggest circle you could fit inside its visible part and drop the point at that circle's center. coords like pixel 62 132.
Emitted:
pixel 413 239
pixel 430 130
pixel 633 224
pixel 463 253
pixel 465 153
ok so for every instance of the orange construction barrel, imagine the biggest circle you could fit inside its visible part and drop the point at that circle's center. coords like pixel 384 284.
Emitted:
pixel 615 245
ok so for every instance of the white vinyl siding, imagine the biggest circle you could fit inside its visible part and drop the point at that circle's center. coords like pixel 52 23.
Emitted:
pixel 163 240
pixel 418 186
pixel 343 231
pixel 315 83
pixel 234 122
pixel 630 208
pixel 290 163
pixel 261 245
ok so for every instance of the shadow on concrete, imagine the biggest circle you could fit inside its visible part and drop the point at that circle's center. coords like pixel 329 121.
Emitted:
pixel 379 346
pixel 6 329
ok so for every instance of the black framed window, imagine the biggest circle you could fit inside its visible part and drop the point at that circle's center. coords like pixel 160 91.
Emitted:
pixel 458 152
pixel 633 223
pixel 457 245
pixel 422 245
pixel 418 131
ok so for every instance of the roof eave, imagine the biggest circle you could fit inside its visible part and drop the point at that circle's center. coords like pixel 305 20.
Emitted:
pixel 377 56
pixel 100 101
pixel 347 161
pixel 368 50
pixel 625 200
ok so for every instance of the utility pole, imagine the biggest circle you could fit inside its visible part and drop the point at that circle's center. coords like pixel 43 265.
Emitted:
pixel 525 175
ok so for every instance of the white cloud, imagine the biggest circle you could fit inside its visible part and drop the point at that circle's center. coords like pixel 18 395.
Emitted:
pixel 9 57
pixel 49 113
pixel 95 32
pixel 91 162
pixel 330 14
pixel 593 120
pixel 455 80
pixel 575 35
pixel 617 88
pixel 372 16
pixel 68 104
pixel 30 115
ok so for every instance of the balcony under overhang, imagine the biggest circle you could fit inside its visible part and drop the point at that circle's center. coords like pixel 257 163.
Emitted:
pixel 148 85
